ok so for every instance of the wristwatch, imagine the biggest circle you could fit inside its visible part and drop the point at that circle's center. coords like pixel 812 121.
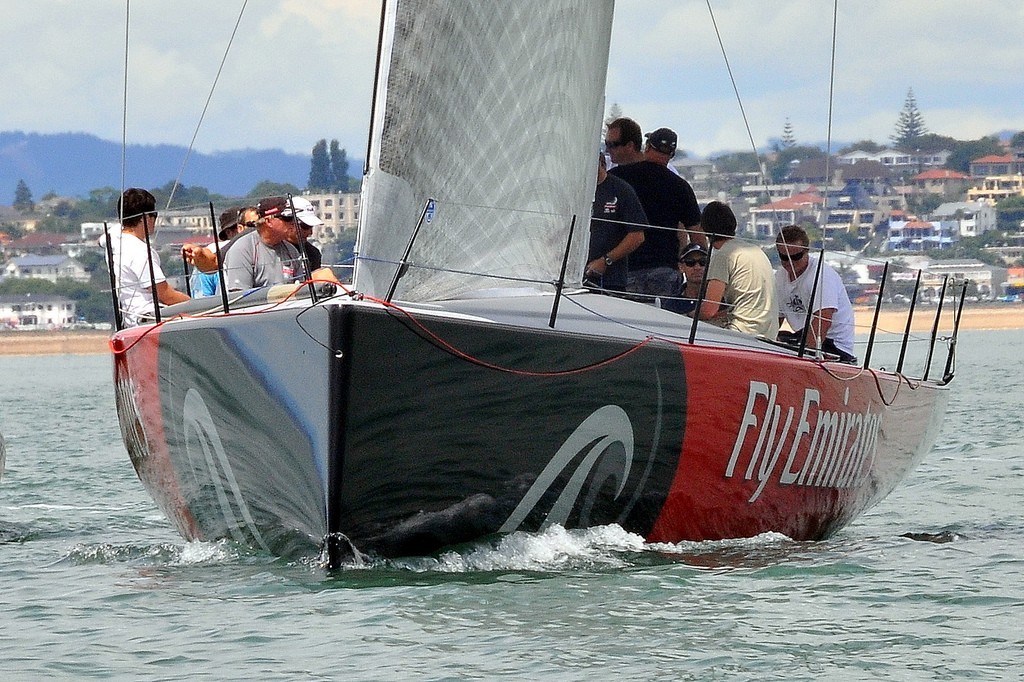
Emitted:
pixel 608 261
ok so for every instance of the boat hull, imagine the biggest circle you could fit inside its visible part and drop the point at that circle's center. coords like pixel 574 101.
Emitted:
pixel 403 434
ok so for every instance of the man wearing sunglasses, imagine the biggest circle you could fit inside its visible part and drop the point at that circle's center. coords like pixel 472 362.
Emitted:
pixel 692 264
pixel 265 256
pixel 832 324
pixel 616 229
pixel 137 281
pixel 667 200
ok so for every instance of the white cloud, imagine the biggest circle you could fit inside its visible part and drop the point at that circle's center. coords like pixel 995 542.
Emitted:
pixel 301 70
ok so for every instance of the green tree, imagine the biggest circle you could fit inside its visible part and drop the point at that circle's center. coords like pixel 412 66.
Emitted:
pixel 1017 140
pixel 779 167
pixel 23 198
pixel 1010 214
pixel 183 195
pixel 735 162
pixel 965 151
pixel 869 146
pixel 321 177
pixel 92 302
pixel 925 203
pixel 910 125
pixel 101 204
pixel 269 188
pixel 788 139
pixel 339 167
pixel 58 224
pixel 931 142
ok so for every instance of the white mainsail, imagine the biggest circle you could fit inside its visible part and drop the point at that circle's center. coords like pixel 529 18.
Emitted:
pixel 494 110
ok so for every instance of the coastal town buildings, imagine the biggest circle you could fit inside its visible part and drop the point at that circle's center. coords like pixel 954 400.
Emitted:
pixel 943 182
pixel 338 210
pixel 50 268
pixel 898 161
pixel 36 311
pixel 972 218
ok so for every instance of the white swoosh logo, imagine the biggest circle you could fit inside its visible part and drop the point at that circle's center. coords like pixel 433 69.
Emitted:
pixel 610 431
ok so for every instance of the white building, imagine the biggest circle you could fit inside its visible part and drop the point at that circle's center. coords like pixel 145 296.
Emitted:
pixel 972 217
pixel 35 311
pixel 340 213
pixel 49 268
pixel 93 231
pixel 898 160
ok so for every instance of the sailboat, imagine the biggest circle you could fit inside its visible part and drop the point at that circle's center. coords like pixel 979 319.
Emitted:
pixel 466 385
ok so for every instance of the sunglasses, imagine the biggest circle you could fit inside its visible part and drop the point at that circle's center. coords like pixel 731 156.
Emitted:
pixel 799 255
pixel 614 145
pixel 690 262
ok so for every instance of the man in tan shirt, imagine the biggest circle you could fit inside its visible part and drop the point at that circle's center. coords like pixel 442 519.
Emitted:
pixel 740 279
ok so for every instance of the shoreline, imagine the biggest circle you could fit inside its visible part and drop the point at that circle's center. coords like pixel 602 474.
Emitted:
pixel 974 318
pixel 56 342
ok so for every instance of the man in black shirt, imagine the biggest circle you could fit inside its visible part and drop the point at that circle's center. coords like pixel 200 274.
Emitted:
pixel 667 199
pixel 616 230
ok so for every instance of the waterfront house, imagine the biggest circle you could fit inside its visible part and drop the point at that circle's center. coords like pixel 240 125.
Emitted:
pixel 50 268
pixel 36 311
pixel 921 235
pixel 972 217
pixel 943 182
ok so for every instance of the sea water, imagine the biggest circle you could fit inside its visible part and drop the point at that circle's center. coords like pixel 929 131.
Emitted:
pixel 94 583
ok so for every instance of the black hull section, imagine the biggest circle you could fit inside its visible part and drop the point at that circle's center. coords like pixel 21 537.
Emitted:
pixel 434 448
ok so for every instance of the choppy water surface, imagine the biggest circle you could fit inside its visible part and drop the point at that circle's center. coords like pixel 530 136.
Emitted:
pixel 94 583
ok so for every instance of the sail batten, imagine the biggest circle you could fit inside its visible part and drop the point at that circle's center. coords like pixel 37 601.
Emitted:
pixel 493 110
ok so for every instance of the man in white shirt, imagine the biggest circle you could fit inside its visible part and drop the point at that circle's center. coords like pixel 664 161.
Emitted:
pixel 832 322
pixel 135 280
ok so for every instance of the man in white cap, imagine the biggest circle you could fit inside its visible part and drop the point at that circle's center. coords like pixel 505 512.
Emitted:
pixel 265 256
pixel 308 219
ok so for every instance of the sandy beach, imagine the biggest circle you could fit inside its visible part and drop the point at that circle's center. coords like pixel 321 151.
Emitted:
pixel 989 316
pixel 85 342
pixel 995 316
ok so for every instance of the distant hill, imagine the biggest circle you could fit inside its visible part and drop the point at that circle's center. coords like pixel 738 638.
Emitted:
pixel 73 164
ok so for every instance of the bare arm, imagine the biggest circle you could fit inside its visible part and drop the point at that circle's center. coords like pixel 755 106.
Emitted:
pixel 821 322
pixel 201 257
pixel 712 303
pixel 324 275
pixel 628 245
pixel 168 295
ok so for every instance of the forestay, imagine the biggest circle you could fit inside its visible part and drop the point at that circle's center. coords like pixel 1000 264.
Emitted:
pixel 494 110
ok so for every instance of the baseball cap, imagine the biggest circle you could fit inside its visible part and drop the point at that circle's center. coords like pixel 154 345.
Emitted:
pixel 692 249
pixel 228 220
pixel 662 139
pixel 282 206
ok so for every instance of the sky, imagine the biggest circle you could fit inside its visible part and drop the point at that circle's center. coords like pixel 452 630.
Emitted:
pixel 301 70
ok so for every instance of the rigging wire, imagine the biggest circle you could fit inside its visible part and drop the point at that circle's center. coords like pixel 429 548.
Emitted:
pixel 739 100
pixel 124 103
pixel 831 100
pixel 206 106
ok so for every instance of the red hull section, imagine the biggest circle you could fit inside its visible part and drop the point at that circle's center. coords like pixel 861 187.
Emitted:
pixel 790 446
pixel 140 411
